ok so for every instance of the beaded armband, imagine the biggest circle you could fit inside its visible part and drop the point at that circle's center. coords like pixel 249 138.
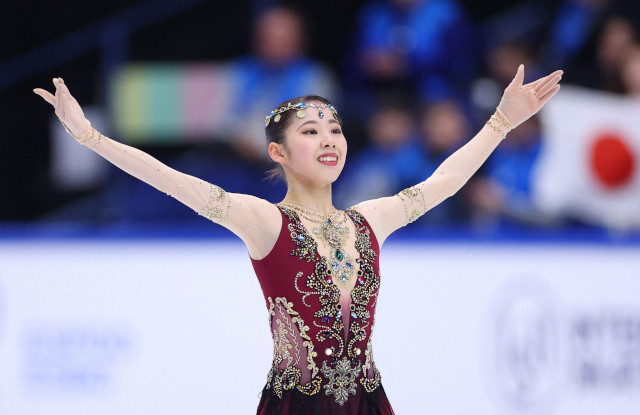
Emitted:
pixel 92 142
pixel 413 202
pixel 499 125
pixel 217 209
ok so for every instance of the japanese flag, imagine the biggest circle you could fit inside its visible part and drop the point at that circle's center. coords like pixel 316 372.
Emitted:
pixel 588 168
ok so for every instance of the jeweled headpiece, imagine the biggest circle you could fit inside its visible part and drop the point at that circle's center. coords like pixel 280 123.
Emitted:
pixel 301 111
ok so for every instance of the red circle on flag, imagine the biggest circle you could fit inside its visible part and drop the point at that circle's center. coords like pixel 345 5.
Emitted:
pixel 612 160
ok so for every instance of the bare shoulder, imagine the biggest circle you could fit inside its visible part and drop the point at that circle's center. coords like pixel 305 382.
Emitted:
pixel 256 221
pixel 385 215
pixel 370 210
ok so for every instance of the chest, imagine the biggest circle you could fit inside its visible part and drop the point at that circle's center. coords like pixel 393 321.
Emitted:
pixel 331 286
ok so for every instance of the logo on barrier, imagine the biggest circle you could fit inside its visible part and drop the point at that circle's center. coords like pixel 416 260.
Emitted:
pixel 77 358
pixel 523 352
pixel 605 350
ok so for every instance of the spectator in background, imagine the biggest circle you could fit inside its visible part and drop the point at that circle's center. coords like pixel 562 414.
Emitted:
pixel 601 69
pixel 503 192
pixel 574 23
pixel 389 162
pixel 614 43
pixel 279 68
pixel 409 44
pixel 630 71
pixel 501 61
pixel 444 128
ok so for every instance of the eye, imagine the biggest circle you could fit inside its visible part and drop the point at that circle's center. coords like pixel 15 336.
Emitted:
pixel 312 131
pixel 336 131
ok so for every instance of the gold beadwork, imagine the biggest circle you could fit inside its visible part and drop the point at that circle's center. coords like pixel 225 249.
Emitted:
pixel 306 245
pixel 216 209
pixel 413 201
pixel 284 340
pixel 342 370
pixel 497 118
pixel 369 384
pixel 341 379
pixel 86 143
pixel 331 232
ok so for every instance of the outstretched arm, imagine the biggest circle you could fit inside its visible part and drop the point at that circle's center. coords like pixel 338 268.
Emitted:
pixel 254 220
pixel 518 103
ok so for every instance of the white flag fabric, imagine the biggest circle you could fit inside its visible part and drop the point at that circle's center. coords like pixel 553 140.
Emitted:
pixel 588 167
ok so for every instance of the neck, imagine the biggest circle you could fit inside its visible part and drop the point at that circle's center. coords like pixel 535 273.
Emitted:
pixel 318 199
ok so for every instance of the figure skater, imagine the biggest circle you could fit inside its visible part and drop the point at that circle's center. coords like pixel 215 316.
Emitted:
pixel 317 265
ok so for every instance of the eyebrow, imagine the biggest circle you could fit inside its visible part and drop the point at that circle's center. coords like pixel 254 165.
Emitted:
pixel 333 120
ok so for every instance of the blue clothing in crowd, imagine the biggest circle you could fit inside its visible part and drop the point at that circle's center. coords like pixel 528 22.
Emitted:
pixel 378 172
pixel 435 35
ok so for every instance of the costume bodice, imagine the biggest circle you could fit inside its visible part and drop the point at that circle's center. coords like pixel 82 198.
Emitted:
pixel 322 344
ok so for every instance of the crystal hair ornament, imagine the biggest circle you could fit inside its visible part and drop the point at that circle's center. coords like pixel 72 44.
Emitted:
pixel 300 111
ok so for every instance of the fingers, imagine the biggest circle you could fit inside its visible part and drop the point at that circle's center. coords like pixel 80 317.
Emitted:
pixel 58 100
pixel 519 78
pixel 537 84
pixel 58 97
pixel 546 87
pixel 548 96
pixel 64 87
pixel 48 96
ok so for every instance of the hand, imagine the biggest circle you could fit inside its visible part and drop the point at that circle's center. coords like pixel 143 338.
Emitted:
pixel 67 109
pixel 520 102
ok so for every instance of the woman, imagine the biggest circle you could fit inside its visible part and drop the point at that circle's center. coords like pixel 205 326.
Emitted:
pixel 317 266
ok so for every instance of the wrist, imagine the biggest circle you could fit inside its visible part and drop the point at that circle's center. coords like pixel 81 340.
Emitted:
pixel 498 123
pixel 91 139
pixel 87 133
pixel 505 120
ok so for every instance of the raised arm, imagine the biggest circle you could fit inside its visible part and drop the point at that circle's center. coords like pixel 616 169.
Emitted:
pixel 519 102
pixel 256 221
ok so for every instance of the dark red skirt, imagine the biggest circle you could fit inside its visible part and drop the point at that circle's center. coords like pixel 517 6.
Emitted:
pixel 294 402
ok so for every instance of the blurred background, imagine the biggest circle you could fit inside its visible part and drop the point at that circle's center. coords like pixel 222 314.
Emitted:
pixel 531 296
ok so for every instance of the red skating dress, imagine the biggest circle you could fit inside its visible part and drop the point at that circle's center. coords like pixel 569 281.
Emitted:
pixel 319 368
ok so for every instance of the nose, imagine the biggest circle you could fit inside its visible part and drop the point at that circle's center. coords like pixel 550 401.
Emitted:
pixel 328 142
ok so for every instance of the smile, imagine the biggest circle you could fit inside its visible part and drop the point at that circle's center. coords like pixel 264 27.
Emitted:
pixel 330 159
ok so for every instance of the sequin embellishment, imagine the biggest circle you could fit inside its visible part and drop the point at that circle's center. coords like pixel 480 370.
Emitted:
pixel 288 322
pixel 341 380
pixel 413 202
pixel 217 208
pixel 345 365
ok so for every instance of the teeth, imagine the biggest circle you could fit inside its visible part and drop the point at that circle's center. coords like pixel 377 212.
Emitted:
pixel 328 158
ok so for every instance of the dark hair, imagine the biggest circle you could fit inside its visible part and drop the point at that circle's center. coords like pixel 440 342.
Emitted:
pixel 275 130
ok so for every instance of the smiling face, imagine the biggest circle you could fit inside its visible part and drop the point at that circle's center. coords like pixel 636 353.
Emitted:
pixel 314 150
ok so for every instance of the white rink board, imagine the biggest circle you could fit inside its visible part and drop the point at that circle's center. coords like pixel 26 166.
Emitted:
pixel 180 327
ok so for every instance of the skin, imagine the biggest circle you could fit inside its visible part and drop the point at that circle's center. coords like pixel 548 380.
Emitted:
pixel 309 180
pixel 257 222
pixel 306 139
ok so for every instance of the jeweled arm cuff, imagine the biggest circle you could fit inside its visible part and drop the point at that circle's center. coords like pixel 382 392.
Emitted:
pixel 413 202
pixel 218 205
pixel 498 123
pixel 91 142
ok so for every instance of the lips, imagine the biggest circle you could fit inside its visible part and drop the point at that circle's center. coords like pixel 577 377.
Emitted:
pixel 328 159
